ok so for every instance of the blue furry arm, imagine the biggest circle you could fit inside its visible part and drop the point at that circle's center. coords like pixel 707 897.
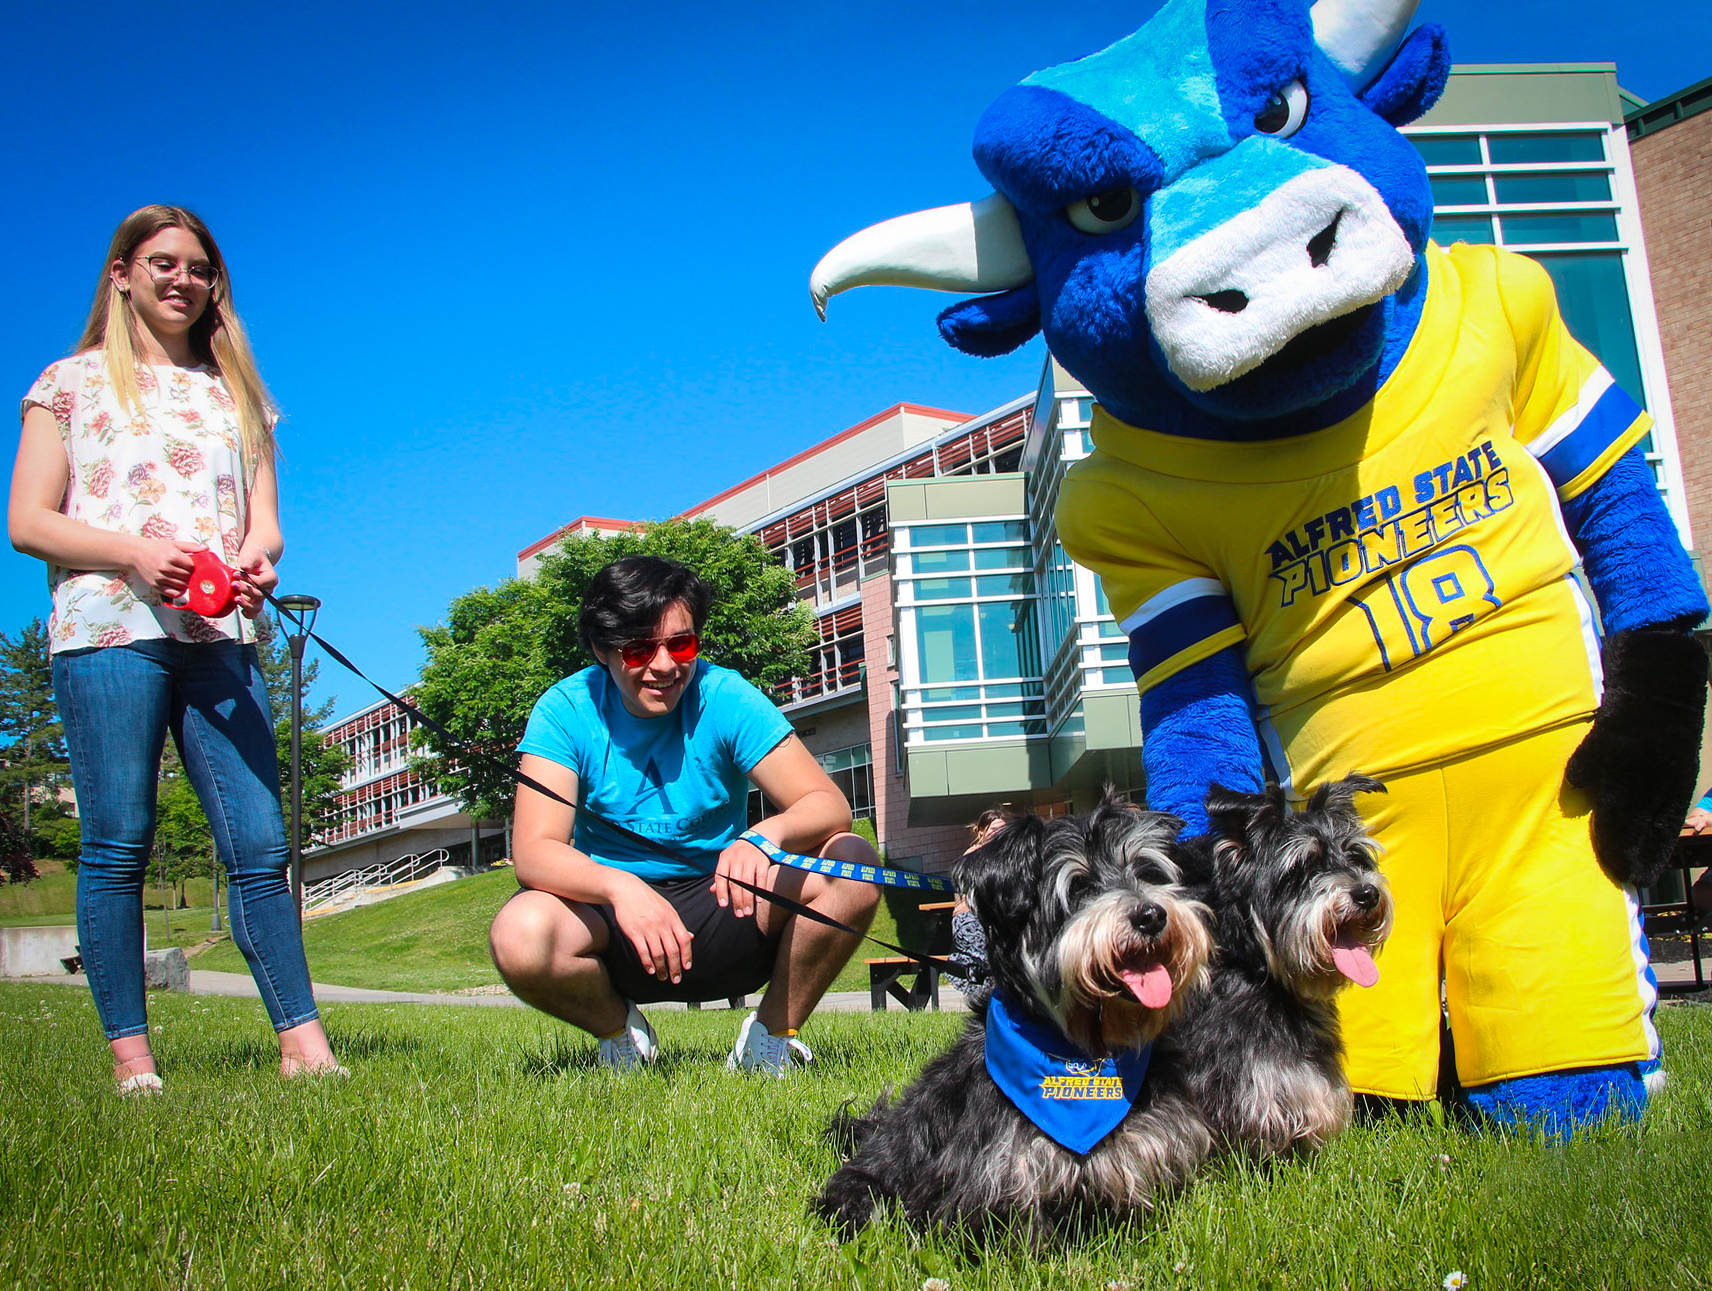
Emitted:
pixel 1640 575
pixel 1197 730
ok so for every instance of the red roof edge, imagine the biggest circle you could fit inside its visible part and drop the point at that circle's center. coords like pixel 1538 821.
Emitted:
pixel 581 522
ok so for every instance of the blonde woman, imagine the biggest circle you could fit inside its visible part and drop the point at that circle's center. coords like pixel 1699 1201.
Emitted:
pixel 152 441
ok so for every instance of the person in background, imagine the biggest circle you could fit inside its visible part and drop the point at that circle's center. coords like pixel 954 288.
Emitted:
pixel 643 891
pixel 153 441
pixel 968 943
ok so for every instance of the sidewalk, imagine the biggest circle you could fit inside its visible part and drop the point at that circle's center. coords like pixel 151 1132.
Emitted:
pixel 239 984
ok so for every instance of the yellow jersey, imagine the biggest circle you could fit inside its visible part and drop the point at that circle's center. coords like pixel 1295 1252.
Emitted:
pixel 1400 581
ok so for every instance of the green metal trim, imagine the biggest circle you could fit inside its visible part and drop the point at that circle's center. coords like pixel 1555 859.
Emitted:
pixel 1655 116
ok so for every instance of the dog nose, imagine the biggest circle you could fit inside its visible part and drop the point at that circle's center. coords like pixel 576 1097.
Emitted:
pixel 1365 896
pixel 1149 921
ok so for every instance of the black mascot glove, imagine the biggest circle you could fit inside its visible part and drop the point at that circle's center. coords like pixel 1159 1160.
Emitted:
pixel 1641 758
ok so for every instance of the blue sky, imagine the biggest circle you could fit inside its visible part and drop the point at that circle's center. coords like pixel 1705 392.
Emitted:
pixel 503 267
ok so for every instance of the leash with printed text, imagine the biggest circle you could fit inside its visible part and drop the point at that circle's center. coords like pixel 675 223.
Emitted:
pixel 880 875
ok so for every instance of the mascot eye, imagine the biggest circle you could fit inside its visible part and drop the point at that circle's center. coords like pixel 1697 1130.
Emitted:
pixel 1284 112
pixel 1106 212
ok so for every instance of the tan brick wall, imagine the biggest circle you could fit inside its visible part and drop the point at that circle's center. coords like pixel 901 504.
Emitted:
pixel 1673 176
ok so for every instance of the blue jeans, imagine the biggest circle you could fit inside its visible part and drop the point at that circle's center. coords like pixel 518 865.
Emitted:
pixel 117 704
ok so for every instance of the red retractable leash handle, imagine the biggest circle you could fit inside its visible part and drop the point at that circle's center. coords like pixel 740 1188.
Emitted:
pixel 210 592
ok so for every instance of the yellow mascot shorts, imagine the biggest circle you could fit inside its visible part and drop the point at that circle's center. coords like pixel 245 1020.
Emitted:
pixel 1498 893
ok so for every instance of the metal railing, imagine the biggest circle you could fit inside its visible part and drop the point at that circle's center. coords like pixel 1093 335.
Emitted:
pixel 406 869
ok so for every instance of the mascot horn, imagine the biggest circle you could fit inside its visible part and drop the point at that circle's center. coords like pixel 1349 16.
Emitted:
pixel 1341 478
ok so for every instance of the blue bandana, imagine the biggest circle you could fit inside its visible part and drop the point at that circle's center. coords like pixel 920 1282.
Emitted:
pixel 1075 1100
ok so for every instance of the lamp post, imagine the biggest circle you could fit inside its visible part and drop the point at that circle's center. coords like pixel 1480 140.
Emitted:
pixel 302 609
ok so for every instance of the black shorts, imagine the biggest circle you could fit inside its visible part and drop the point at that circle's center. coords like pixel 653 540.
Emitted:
pixel 729 956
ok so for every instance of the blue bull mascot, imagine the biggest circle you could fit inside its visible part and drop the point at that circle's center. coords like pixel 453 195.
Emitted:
pixel 1341 477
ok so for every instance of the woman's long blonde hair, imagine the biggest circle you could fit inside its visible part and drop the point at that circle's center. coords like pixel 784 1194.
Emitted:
pixel 216 338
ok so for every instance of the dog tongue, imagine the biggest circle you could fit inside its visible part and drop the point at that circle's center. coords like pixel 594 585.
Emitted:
pixel 1354 961
pixel 1152 985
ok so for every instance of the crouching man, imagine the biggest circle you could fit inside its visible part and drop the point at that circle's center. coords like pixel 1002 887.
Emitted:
pixel 665 745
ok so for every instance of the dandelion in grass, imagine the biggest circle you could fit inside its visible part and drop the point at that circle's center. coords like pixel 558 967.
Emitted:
pixel 1455 1280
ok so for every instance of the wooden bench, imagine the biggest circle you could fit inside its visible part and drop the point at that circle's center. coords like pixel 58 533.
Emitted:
pixel 885 978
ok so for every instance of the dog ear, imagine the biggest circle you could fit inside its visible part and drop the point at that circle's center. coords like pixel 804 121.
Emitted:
pixel 1002 877
pixel 1339 795
pixel 1232 815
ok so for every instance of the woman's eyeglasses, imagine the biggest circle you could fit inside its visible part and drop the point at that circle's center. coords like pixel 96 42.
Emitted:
pixel 166 269
pixel 683 647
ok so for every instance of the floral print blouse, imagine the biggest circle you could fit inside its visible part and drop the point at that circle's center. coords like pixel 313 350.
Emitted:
pixel 173 470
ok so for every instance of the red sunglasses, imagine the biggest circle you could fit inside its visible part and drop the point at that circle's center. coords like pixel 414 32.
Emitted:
pixel 683 647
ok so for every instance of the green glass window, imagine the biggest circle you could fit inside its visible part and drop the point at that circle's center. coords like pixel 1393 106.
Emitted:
pixel 1564 227
pixel 1002 558
pixel 1462 228
pixel 1001 531
pixel 1527 149
pixel 1448 149
pixel 1594 299
pixel 1459 190
pixel 939 562
pixel 940 589
pixel 1004 585
pixel 1559 186
pixel 1007 630
pixel 936 535
pixel 946 634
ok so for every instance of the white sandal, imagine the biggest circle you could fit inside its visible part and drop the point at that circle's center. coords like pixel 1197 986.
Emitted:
pixel 143 1083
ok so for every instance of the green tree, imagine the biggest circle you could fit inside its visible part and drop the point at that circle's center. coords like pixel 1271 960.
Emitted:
pixel 33 763
pixel 500 648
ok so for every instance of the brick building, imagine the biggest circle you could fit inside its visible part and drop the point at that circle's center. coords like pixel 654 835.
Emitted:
pixel 1671 143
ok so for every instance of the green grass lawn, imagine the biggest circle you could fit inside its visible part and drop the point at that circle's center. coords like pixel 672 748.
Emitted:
pixel 436 940
pixel 51 901
pixel 481 1148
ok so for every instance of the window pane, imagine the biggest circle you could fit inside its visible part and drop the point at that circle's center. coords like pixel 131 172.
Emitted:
pixel 953 732
pixel 1448 149
pixel 1560 228
pixel 946 634
pixel 1003 626
pixel 1459 190
pixel 1461 228
pixel 940 589
pixel 941 694
pixel 939 562
pixel 1511 149
pixel 1004 585
pixel 1001 558
pixel 937 535
pixel 1594 299
pixel 1561 186
pixel 1002 531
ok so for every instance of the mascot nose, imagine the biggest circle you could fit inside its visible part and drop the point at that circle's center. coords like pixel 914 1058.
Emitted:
pixel 1149 921
pixel 1365 896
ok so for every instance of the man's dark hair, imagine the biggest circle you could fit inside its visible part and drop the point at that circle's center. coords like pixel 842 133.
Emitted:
pixel 625 600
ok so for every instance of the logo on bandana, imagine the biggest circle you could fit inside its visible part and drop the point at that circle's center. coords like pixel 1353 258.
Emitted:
pixel 1072 1098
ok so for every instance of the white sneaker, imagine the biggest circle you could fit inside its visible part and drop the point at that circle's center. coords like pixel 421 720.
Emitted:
pixel 759 1050
pixel 634 1047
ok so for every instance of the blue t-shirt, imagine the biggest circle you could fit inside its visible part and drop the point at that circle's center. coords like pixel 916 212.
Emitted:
pixel 681 778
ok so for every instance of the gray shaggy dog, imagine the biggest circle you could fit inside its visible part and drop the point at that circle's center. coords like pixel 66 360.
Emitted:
pixel 1091 936
pixel 1300 909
